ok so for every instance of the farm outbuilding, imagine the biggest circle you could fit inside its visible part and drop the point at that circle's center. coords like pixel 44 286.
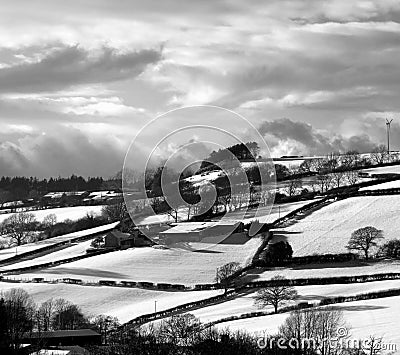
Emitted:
pixel 120 240
pixel 196 231
pixel 117 239
pixel 63 337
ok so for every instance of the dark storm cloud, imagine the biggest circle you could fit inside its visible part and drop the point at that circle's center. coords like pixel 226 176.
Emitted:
pixel 53 154
pixel 72 65
pixel 302 138
pixel 327 64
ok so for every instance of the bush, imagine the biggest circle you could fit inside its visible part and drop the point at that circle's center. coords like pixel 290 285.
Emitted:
pixel 145 284
pixel 128 283
pixel 107 283
pixel 391 249
pixel 164 286
pixel 278 253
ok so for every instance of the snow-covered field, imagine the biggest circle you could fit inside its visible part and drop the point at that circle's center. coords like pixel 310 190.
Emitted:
pixel 327 230
pixel 266 214
pixel 245 304
pixel 201 179
pixel 62 213
pixel 377 317
pixel 386 185
pixel 124 303
pixel 76 249
pixel 325 270
pixel 392 169
pixel 189 263
pixel 162 218
pixel 263 214
pixel 10 252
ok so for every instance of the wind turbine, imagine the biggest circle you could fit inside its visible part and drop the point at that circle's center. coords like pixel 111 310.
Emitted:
pixel 388 122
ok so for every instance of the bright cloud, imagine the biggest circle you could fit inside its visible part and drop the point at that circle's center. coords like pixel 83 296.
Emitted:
pixel 330 65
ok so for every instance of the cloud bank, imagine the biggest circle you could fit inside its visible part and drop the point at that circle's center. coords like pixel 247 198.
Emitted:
pixel 91 73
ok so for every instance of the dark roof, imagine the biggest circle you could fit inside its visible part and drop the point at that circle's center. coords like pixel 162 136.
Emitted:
pixel 62 334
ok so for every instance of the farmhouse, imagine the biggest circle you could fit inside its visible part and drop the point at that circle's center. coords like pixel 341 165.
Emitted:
pixel 196 231
pixel 119 240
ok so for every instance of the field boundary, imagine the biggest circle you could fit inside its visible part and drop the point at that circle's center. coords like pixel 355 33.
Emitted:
pixel 304 305
pixel 225 297
pixel 57 244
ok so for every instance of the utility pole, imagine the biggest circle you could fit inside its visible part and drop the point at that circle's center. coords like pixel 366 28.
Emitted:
pixel 388 122
pixel 155 306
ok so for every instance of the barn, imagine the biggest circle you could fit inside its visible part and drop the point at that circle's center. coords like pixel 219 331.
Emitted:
pixel 119 240
pixel 63 337
pixel 196 231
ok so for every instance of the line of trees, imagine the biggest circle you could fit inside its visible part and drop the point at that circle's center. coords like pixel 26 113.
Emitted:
pixel 22 188
pixel 20 315
pixel 23 227
pixel 241 151
pixel 309 331
pixel 367 239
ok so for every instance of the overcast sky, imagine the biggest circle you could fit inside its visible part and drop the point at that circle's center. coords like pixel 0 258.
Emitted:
pixel 79 78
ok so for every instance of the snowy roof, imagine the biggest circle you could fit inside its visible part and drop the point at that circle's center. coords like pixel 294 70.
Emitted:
pixel 12 203
pixel 99 195
pixel 59 194
pixel 197 227
pixel 51 352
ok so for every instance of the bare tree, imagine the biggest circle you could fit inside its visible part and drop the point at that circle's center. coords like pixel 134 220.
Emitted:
pixel 379 155
pixel 351 177
pixel 115 211
pixel 292 186
pixel 173 212
pixel 373 345
pixel 104 325
pixel 19 315
pixel 224 274
pixel 19 227
pixel 67 315
pixel 275 295
pixel 181 330
pixel 364 239
pixel 44 315
pixel 50 220
pixel 311 329
pixel 305 166
pixel 350 159
pixel 324 182
pixel 338 177
pixel 225 199
pixel 332 161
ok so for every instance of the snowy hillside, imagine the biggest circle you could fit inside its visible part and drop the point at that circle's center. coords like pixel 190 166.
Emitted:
pixel 327 230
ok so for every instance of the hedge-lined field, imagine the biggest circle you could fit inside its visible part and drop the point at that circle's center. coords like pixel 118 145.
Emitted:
pixel 327 230
pixel 124 303
pixel 352 268
pixel 188 263
pixel 314 293
pixel 62 213
pixel 377 317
